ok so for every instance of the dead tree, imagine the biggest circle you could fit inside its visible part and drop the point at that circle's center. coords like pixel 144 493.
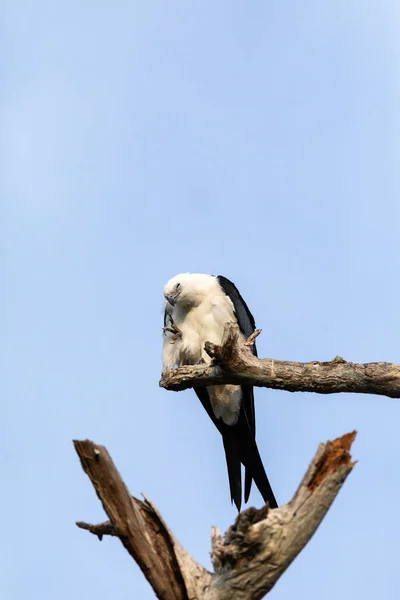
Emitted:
pixel 251 556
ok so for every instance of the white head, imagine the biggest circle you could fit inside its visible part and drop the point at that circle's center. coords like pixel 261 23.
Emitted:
pixel 188 289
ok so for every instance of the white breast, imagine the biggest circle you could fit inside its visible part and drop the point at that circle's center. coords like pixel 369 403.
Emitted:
pixel 198 325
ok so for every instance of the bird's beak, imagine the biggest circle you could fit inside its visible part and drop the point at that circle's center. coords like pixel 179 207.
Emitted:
pixel 171 300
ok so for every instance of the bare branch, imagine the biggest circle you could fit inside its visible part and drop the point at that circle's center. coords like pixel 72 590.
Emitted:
pixel 99 530
pixel 251 556
pixel 234 363
pixel 141 529
pixel 252 338
pixel 261 544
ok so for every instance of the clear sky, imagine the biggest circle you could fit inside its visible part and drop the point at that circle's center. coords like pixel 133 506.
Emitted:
pixel 258 140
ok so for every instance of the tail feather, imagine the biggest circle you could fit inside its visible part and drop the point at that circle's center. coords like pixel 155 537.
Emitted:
pixel 250 417
pixel 254 468
pixel 241 448
pixel 232 455
pixel 251 459
pixel 248 480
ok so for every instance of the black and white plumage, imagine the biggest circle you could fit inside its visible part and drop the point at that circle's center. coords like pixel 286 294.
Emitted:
pixel 196 310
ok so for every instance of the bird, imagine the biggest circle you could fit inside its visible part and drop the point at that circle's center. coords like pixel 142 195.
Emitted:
pixel 197 307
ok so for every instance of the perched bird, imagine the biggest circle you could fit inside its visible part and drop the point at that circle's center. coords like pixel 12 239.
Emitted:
pixel 196 310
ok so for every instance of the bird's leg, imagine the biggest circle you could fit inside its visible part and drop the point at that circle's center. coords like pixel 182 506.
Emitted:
pixel 172 328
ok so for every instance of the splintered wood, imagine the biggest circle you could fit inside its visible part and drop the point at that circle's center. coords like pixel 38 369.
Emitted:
pixel 335 455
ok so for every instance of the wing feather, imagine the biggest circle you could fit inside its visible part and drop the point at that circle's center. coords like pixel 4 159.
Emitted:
pixel 250 456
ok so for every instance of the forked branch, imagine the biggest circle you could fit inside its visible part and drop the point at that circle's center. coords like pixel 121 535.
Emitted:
pixel 233 362
pixel 248 560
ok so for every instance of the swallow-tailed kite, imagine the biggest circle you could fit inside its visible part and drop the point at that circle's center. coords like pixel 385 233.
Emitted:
pixel 197 308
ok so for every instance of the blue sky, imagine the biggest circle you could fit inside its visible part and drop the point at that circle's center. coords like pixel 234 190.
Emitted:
pixel 257 140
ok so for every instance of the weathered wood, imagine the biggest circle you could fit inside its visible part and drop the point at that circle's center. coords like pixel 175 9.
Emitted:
pixel 234 363
pixel 251 556
pixel 100 530
pixel 141 530
pixel 261 544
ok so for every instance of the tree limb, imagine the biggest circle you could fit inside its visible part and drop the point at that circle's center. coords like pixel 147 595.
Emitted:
pixel 234 363
pixel 251 556
pixel 101 529
pixel 141 530
pixel 271 540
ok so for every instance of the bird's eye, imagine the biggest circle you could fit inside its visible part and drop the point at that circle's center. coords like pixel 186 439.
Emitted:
pixel 178 285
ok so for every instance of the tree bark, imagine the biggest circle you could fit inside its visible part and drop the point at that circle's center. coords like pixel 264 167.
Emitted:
pixel 234 363
pixel 141 530
pixel 251 556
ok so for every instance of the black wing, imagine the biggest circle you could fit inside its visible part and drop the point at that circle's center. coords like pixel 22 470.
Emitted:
pixel 231 447
pixel 245 429
pixel 247 326
pixel 244 317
